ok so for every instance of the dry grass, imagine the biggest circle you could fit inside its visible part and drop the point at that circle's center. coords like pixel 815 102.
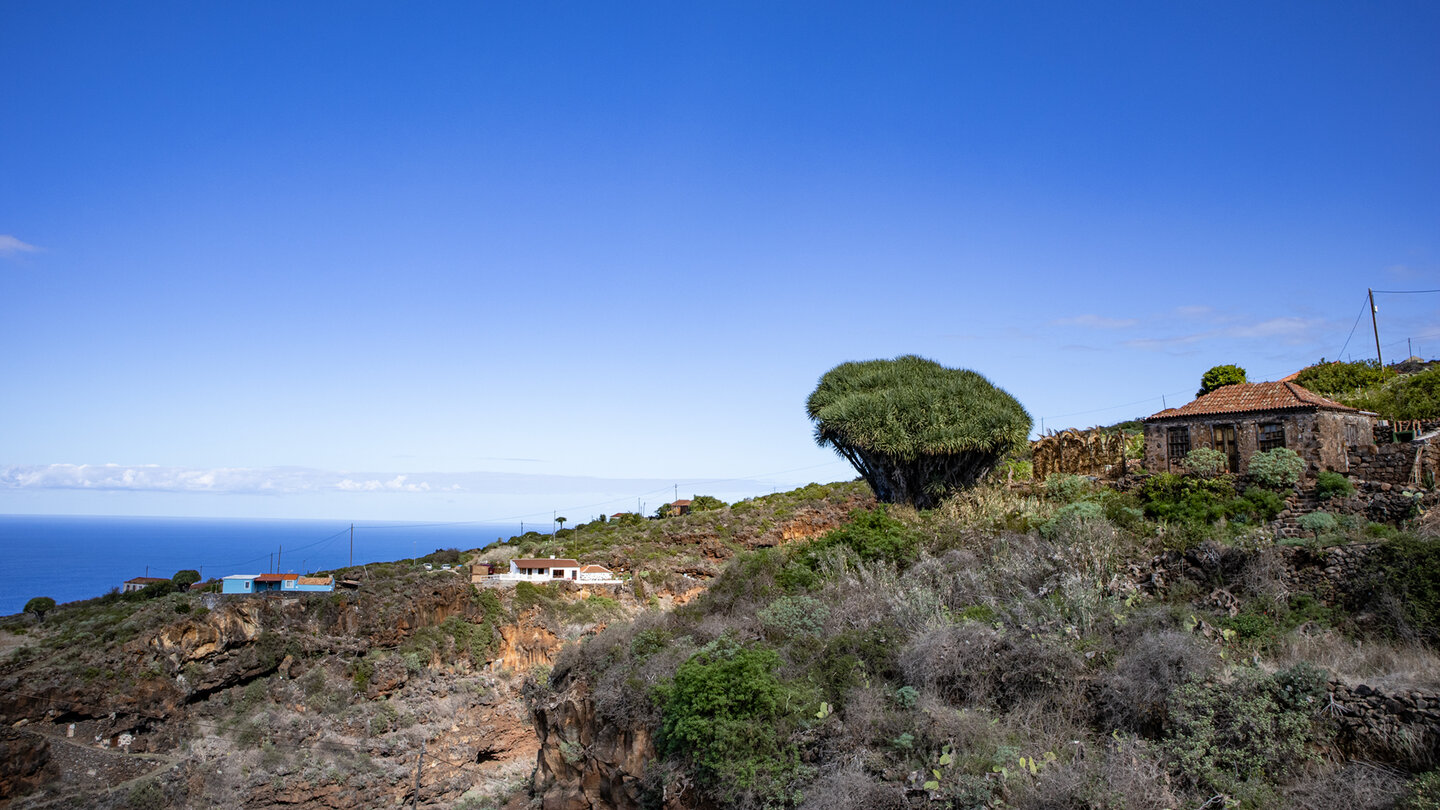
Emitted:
pixel 1386 665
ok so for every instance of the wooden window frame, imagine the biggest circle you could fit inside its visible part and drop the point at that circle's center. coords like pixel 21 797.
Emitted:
pixel 1275 438
pixel 1171 445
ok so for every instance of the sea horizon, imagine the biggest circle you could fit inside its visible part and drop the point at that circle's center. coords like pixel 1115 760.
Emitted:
pixel 75 557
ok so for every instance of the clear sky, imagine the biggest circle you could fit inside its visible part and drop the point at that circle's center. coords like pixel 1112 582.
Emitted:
pixel 470 261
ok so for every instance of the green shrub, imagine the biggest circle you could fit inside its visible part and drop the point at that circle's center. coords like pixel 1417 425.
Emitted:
pixel 1226 737
pixel 795 616
pixel 872 536
pixel 1280 468
pixel 1317 522
pixel 705 503
pixel 1331 379
pixel 1422 794
pixel 727 713
pixel 1070 516
pixel 1206 463
pixel 1408 568
pixel 1333 485
pixel 1066 488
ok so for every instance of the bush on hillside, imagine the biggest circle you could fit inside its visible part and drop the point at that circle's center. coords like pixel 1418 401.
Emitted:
pixel 730 717
pixel 1334 379
pixel 1206 463
pixel 1404 573
pixel 915 430
pixel 1280 468
pixel 1333 485
pixel 1066 488
pixel 1232 737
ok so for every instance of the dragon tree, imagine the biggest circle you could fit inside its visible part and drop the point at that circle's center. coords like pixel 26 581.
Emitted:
pixel 915 430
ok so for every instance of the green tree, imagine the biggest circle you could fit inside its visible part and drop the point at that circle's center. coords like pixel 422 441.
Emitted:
pixel 561 521
pixel 1332 379
pixel 39 606
pixel 706 503
pixel 184 579
pixel 915 430
pixel 1219 377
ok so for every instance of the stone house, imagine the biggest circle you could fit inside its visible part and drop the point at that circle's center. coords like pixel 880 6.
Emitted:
pixel 1247 418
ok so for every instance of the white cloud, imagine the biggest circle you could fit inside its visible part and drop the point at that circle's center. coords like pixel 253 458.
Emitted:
pixel 1090 321
pixel 10 246
pixel 302 480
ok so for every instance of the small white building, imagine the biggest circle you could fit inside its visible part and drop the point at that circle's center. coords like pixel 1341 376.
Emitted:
pixel 596 573
pixel 544 570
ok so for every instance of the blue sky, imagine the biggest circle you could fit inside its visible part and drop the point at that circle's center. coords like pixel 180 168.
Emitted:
pixel 485 260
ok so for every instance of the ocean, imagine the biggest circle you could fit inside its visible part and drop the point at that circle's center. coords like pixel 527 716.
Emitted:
pixel 74 557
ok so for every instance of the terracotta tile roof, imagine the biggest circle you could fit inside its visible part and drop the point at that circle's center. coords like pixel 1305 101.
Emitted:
pixel 1246 397
pixel 594 569
pixel 276 577
pixel 546 563
pixel 682 502
pixel 145 580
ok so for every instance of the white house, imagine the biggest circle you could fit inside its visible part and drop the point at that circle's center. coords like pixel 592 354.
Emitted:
pixel 596 573
pixel 544 570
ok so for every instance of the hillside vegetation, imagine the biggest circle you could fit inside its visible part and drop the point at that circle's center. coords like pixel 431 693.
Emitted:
pixel 1074 647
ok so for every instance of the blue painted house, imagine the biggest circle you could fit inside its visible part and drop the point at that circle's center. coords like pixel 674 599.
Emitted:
pixel 276 583
pixel 239 583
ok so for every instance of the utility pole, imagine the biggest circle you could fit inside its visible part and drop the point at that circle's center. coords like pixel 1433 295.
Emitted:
pixel 1376 326
pixel 272 563
pixel 352 545
pixel 278 554
pixel 415 800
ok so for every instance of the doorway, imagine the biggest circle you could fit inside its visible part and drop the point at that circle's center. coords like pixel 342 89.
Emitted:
pixel 1225 443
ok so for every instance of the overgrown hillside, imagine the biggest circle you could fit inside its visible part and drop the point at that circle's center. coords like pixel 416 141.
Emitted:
pixel 1076 647
pixel 169 699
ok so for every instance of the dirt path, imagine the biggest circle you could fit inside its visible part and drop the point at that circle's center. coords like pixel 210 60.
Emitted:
pixel 81 770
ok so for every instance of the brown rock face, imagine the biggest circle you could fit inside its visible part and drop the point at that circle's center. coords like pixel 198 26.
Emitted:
pixel 583 765
pixel 526 645
pixel 23 761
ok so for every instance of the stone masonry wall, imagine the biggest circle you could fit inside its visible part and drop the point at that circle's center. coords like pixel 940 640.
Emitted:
pixel 1393 463
pixel 1402 727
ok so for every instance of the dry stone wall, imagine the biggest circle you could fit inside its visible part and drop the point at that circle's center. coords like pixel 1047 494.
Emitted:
pixel 1393 463
pixel 1401 727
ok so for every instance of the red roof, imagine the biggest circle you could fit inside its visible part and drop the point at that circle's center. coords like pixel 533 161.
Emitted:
pixel 1245 397
pixel 594 569
pixel 145 580
pixel 546 563
pixel 276 577
pixel 682 502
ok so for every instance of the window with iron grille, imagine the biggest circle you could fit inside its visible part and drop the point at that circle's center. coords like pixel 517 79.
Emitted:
pixel 1178 443
pixel 1272 435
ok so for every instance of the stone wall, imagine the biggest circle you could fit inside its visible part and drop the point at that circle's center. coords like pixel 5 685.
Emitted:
pixel 1399 727
pixel 1393 463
